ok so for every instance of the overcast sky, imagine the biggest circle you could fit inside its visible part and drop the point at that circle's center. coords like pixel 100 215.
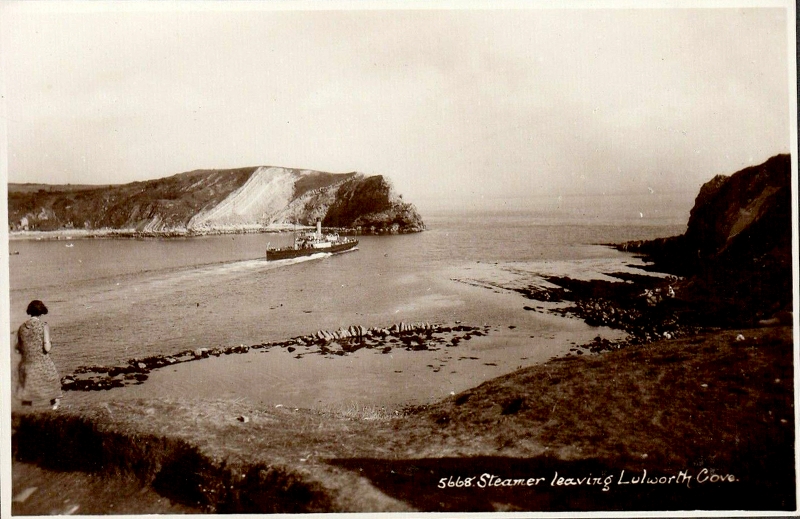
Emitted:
pixel 446 103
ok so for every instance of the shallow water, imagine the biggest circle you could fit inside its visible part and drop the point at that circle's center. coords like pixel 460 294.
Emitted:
pixel 115 299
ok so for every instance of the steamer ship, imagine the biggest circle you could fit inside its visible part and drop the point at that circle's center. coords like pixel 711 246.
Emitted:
pixel 312 243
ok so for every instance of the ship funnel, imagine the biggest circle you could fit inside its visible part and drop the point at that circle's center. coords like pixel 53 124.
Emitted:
pixel 319 228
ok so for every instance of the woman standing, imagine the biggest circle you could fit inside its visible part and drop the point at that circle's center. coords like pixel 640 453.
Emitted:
pixel 38 381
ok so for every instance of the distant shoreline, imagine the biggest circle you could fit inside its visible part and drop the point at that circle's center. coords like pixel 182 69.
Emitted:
pixel 70 234
pixel 76 234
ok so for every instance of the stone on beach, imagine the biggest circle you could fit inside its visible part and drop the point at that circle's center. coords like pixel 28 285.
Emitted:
pixel 344 341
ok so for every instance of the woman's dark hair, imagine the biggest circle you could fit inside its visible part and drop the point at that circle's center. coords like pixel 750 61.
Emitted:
pixel 36 308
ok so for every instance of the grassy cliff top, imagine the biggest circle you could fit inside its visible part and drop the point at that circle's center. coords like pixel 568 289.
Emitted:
pixel 716 405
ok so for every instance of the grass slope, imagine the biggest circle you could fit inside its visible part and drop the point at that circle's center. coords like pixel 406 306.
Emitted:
pixel 706 405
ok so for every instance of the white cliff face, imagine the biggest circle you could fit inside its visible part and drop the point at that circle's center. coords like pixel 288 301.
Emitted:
pixel 264 195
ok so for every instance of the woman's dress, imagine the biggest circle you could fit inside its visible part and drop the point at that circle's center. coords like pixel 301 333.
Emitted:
pixel 39 382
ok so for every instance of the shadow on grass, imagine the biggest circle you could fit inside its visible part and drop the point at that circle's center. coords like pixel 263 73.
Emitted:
pixel 171 467
pixel 535 484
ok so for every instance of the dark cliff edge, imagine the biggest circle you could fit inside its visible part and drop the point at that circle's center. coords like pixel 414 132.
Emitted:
pixel 368 204
pixel 735 258
pixel 212 201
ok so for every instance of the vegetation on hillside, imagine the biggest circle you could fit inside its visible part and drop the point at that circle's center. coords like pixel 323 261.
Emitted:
pixel 168 205
pixel 709 406
pixel 171 201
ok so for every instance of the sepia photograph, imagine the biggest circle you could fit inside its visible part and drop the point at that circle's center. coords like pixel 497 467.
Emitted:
pixel 307 257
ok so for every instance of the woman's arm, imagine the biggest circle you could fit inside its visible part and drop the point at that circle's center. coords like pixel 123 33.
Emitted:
pixel 47 345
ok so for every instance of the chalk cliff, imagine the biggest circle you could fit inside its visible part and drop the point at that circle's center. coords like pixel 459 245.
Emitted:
pixel 207 201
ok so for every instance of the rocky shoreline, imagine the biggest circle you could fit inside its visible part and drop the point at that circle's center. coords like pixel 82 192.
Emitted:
pixel 409 336
pixel 72 234
pixel 75 234
pixel 732 267
pixel 647 308
pixel 735 258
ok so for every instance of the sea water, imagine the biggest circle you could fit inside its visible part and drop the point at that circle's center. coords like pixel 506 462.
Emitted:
pixel 111 300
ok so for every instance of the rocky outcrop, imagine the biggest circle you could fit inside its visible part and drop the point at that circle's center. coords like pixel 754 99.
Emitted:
pixel 208 201
pixel 736 253
pixel 371 204
pixel 344 341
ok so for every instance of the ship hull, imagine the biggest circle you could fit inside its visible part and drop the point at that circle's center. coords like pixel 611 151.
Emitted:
pixel 280 254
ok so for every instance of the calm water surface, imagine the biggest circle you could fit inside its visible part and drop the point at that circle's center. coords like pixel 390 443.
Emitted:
pixel 115 299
